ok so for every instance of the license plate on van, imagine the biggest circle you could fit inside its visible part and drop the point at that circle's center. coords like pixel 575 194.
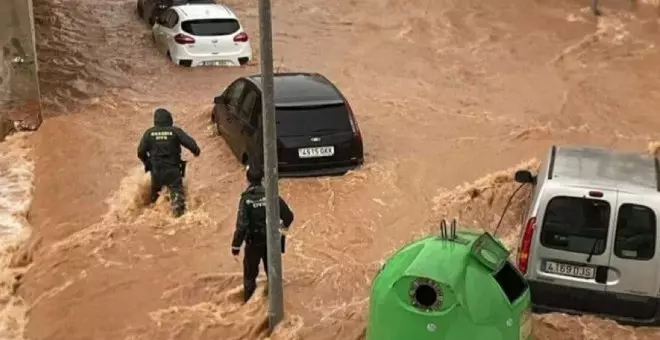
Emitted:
pixel 569 270
pixel 323 151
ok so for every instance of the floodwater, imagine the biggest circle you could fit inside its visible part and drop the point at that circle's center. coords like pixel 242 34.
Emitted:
pixel 451 97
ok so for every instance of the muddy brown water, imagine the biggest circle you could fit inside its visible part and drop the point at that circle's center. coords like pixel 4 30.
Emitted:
pixel 449 94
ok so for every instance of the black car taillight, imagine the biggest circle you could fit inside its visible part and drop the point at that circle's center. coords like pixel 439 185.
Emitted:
pixel 357 135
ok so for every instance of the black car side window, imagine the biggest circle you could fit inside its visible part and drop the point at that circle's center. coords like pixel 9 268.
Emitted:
pixel 234 93
pixel 163 18
pixel 173 19
pixel 248 104
pixel 256 112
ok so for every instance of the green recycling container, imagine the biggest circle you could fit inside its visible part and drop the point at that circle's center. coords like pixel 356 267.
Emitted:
pixel 453 287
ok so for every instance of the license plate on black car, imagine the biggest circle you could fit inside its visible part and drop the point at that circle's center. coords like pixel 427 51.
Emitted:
pixel 322 151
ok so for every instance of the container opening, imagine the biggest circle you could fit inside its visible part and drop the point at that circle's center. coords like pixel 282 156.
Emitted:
pixel 426 296
pixel 512 283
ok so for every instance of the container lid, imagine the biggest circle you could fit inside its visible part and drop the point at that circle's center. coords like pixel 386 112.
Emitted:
pixel 489 252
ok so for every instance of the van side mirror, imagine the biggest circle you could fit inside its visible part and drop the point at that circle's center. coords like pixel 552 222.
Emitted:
pixel 219 100
pixel 524 177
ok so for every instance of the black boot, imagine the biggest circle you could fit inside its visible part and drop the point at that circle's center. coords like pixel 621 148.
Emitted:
pixel 247 293
pixel 178 212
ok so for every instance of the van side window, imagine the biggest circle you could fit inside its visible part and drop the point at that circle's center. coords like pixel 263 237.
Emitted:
pixel 635 232
pixel 576 224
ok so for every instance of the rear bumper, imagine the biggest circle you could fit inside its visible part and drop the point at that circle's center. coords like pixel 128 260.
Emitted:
pixel 181 57
pixel 320 169
pixel 623 308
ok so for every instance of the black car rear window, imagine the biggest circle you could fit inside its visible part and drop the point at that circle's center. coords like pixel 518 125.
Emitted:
pixel 576 224
pixel 210 27
pixel 304 121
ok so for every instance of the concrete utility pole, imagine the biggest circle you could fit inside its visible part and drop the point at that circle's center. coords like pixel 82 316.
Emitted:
pixel 596 11
pixel 275 287
pixel 594 7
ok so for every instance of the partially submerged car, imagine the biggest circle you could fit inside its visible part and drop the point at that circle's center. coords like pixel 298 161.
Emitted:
pixel 317 133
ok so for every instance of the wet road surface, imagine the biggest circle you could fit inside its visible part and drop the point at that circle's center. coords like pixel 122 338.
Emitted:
pixel 447 93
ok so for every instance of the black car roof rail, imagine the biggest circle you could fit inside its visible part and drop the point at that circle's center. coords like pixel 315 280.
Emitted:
pixel 657 171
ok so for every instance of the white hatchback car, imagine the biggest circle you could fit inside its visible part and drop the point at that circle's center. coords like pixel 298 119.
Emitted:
pixel 202 34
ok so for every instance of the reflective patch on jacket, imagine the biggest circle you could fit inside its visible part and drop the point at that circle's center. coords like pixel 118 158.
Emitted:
pixel 161 135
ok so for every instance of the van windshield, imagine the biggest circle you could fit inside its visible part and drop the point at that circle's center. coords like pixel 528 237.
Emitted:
pixel 576 224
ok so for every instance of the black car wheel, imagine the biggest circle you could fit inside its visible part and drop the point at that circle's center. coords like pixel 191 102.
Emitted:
pixel 217 127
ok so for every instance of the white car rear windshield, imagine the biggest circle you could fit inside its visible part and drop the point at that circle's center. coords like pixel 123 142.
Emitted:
pixel 210 27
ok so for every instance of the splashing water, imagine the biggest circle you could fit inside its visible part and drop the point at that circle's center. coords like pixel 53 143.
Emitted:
pixel 16 179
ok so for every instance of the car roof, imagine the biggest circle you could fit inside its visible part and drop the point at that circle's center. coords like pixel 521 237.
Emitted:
pixel 183 2
pixel 301 88
pixel 204 11
pixel 605 168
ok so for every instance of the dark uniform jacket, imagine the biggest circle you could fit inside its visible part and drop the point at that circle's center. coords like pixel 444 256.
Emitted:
pixel 160 145
pixel 251 219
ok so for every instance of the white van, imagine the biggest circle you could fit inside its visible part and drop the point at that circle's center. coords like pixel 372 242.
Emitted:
pixel 589 244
